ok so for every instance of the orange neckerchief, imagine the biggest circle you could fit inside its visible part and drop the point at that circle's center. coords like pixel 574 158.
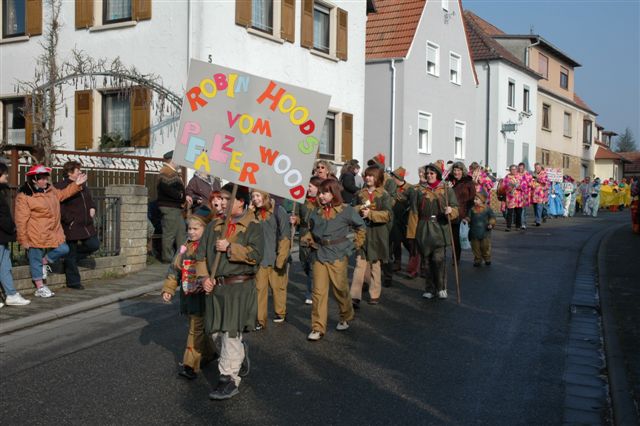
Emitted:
pixel 312 199
pixel 371 196
pixel 231 229
pixel 327 211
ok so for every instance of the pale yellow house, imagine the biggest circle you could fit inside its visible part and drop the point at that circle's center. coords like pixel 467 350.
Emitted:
pixel 565 122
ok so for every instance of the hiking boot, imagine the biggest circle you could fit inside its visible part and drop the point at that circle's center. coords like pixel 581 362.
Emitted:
pixel 246 362
pixel 225 389
pixel 188 373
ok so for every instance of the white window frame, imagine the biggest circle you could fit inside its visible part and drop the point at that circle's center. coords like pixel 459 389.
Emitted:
pixel 511 94
pixel 276 18
pixel 421 148
pixel 458 69
pixel 526 99
pixel 335 116
pixel 463 126
pixel 436 67
pixel 4 130
pixel 566 131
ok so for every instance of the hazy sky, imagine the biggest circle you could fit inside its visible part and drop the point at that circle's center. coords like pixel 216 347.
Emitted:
pixel 601 35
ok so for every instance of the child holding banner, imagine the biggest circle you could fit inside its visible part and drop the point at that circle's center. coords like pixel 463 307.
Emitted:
pixel 230 305
pixel 277 244
pixel 329 226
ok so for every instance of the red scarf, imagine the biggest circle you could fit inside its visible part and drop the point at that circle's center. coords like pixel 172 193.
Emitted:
pixel 263 213
pixel 434 185
pixel 371 196
pixel 312 199
pixel 231 229
pixel 327 211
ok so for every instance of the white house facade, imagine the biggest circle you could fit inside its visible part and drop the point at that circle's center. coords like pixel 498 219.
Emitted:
pixel 318 45
pixel 421 86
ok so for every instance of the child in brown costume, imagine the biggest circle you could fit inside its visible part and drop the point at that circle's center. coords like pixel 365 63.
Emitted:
pixel 182 274
pixel 481 221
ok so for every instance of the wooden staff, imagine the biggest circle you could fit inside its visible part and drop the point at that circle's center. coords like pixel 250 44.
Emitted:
pixel 293 234
pixel 227 219
pixel 453 249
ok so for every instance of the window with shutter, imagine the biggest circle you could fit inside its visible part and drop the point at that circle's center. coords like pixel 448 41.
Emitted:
pixel 288 20
pixel 424 133
pixel 243 13
pixel 116 11
pixel 327 145
pixel 116 117
pixel 433 56
pixel 343 35
pixel 454 68
pixel 34 17
pixel 84 14
pixel 84 119
pixel 140 117
pixel 14 129
pixel 141 10
pixel 459 136
pixel 347 136
pixel 14 18
pixel 306 24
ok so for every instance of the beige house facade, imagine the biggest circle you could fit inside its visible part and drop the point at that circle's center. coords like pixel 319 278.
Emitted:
pixel 566 124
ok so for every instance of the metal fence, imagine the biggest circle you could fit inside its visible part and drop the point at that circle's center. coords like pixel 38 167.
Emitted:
pixel 107 223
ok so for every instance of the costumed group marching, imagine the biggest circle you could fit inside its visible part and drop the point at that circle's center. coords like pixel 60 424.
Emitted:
pixel 227 265
pixel 235 243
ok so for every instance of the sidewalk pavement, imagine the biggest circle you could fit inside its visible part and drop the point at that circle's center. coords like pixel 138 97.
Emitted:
pixel 619 265
pixel 67 302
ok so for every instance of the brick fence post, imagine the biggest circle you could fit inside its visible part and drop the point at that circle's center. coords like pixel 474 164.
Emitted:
pixel 133 224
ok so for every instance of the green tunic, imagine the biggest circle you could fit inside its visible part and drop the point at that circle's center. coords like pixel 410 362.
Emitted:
pixel 231 307
pixel 336 227
pixel 379 223
pixel 427 221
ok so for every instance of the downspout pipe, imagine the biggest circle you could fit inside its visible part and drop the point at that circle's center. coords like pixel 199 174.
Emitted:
pixel 189 23
pixel 393 111
pixel 486 142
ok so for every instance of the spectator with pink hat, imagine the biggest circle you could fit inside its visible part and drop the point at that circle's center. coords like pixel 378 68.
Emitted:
pixel 38 225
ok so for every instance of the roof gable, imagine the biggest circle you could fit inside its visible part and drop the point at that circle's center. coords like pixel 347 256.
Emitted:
pixel 483 47
pixel 390 31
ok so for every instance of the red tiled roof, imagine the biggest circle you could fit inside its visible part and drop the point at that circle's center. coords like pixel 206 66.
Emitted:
pixel 582 104
pixel 391 29
pixel 605 154
pixel 483 47
pixel 632 156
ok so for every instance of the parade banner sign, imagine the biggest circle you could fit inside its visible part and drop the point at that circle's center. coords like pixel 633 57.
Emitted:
pixel 554 175
pixel 250 130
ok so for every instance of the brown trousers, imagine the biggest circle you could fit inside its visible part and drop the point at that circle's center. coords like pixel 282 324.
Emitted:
pixel 481 250
pixel 362 271
pixel 269 277
pixel 335 275
pixel 199 344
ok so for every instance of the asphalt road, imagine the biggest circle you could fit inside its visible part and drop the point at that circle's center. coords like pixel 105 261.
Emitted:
pixel 498 358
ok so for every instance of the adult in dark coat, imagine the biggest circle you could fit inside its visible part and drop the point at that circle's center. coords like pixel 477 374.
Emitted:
pixel 348 181
pixel 172 199
pixel 77 213
pixel 465 190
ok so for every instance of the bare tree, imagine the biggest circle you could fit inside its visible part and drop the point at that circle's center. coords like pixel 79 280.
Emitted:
pixel 45 92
